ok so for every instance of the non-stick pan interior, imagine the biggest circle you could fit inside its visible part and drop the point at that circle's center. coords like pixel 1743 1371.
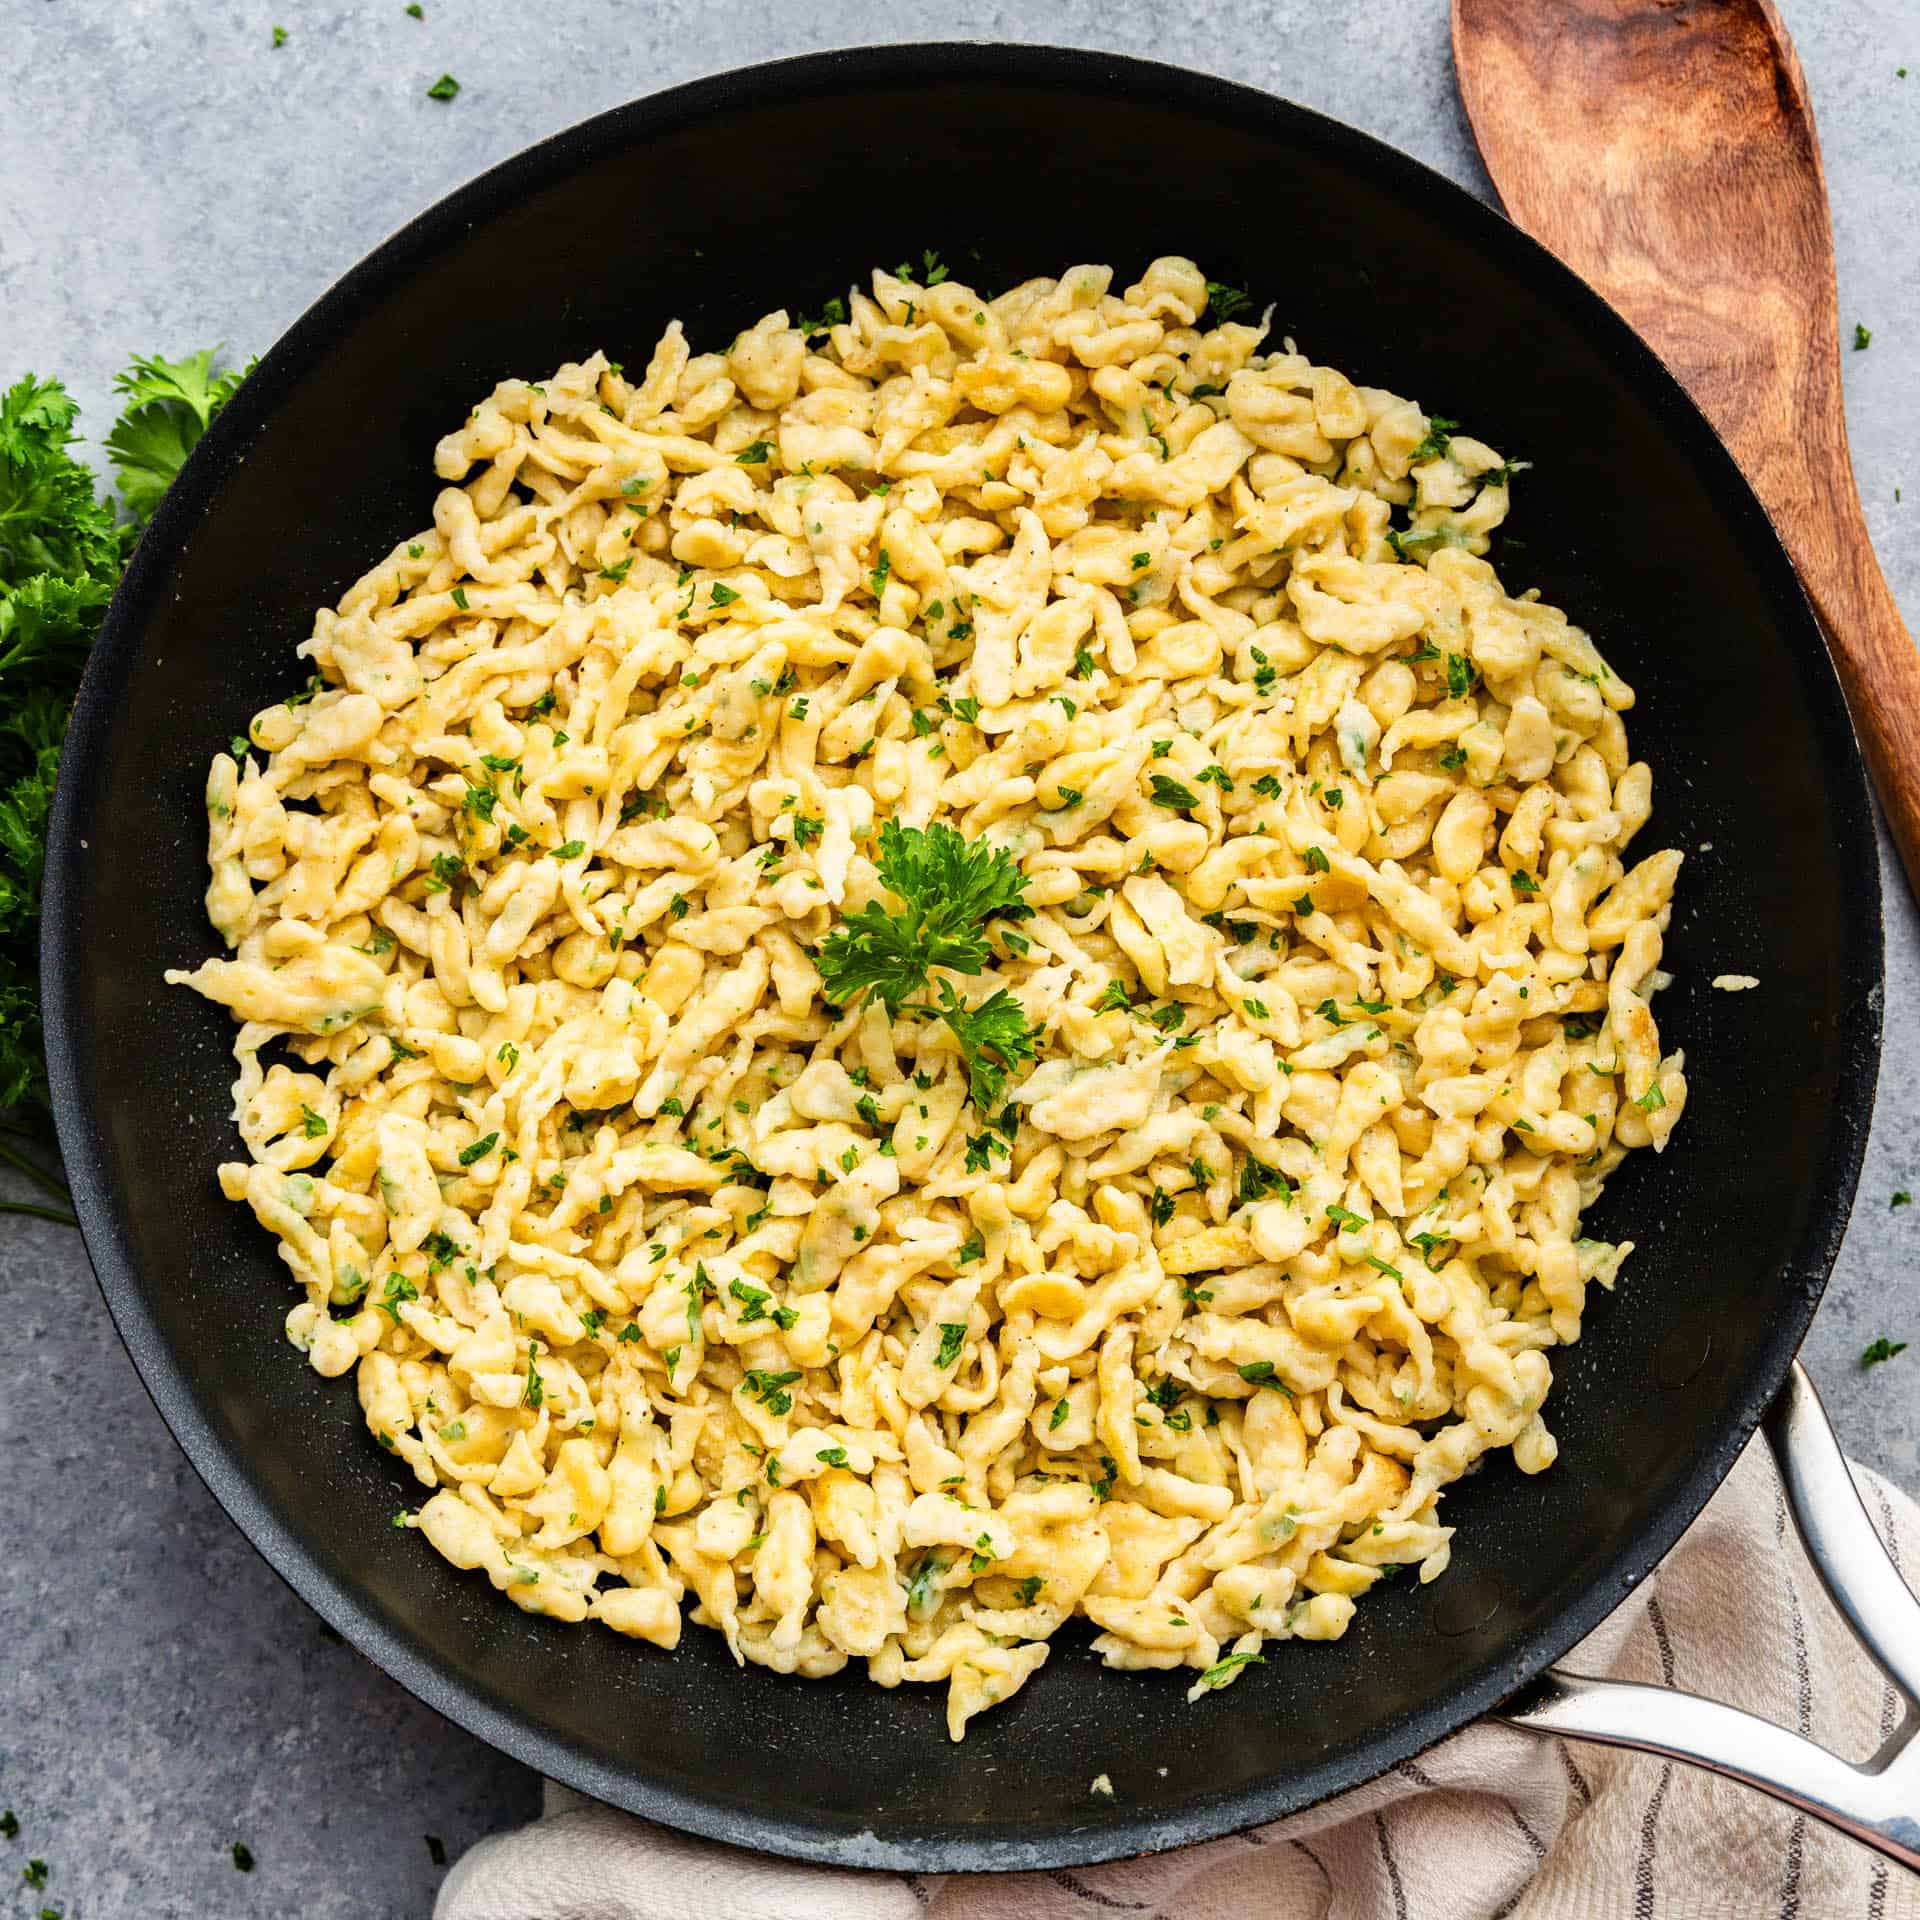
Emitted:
pixel 715 204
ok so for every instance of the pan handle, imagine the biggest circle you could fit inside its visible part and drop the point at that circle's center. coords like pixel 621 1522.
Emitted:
pixel 1877 1802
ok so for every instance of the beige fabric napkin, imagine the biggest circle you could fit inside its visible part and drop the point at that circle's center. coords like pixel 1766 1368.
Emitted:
pixel 1489 1824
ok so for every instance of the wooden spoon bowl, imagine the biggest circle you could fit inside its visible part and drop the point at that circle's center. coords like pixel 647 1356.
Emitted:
pixel 1665 149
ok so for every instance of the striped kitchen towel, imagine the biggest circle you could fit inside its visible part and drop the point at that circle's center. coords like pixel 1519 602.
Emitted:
pixel 1489 1824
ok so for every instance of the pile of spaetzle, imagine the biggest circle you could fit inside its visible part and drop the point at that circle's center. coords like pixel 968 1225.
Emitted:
pixel 957 967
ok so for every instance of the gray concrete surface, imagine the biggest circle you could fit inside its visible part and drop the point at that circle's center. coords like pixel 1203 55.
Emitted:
pixel 169 178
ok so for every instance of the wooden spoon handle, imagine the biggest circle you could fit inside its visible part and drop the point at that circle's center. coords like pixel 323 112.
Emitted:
pixel 1873 651
pixel 1684 182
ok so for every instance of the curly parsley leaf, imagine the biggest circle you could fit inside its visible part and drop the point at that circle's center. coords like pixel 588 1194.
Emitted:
pixel 949 888
pixel 169 405
pixel 50 523
pixel 994 1039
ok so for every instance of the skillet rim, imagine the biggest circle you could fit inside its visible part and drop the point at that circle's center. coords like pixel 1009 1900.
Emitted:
pixel 386 269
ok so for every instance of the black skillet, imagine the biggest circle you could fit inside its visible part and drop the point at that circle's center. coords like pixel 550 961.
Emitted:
pixel 715 202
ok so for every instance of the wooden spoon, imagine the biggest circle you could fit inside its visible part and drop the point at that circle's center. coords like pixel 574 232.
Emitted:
pixel 1665 150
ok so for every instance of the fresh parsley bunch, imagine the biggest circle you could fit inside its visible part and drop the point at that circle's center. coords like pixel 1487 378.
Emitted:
pixel 950 888
pixel 62 550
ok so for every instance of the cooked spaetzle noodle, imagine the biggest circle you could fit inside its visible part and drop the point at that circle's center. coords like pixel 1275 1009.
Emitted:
pixel 1171 1226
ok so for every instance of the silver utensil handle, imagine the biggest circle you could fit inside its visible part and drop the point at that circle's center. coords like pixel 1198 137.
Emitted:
pixel 1876 1802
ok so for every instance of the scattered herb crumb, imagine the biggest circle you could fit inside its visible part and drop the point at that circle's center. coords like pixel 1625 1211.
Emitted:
pixel 1222 1671
pixel 1882 1349
pixel 1225 302
pixel 436 1847
pixel 1862 337
pixel 243 1856
pixel 445 88
pixel 1901 1198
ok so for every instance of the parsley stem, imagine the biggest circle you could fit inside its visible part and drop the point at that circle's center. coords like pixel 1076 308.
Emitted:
pixel 38 1175
pixel 39 1213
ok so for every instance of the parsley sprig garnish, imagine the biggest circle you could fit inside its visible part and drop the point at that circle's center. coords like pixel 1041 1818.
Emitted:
pixel 949 888
pixel 994 1039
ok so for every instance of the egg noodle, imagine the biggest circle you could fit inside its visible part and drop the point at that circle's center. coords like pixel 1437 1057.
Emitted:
pixel 959 967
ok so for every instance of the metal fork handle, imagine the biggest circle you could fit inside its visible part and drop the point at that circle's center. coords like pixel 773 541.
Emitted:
pixel 1876 1802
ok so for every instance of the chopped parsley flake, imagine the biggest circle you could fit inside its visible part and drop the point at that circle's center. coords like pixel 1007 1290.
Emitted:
pixel 1224 302
pixel 770 1389
pixel 1222 1671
